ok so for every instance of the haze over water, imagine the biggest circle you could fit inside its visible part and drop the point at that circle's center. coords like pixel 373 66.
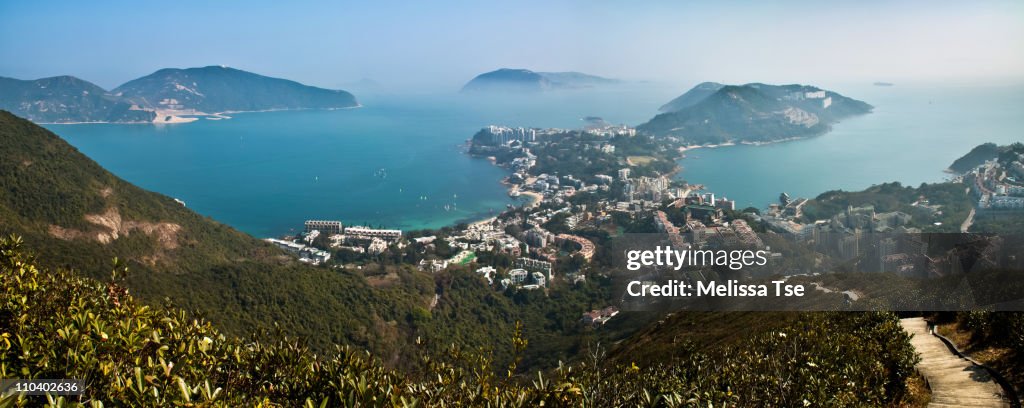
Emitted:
pixel 398 161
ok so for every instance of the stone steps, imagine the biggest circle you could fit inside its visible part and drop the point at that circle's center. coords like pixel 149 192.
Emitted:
pixel 954 381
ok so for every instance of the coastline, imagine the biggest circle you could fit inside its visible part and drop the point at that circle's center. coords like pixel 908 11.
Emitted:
pixel 535 197
pixel 177 117
pixel 742 143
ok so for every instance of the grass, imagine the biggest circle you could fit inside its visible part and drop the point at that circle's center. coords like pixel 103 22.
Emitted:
pixel 640 160
pixel 466 259
pixel 918 394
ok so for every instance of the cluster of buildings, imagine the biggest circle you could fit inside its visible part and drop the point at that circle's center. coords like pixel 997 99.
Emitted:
pixel 607 130
pixel 524 279
pixel 696 234
pixel 355 238
pixel 501 135
pixel 305 253
pixel 826 100
pixel 586 247
pixel 528 274
pixel 998 186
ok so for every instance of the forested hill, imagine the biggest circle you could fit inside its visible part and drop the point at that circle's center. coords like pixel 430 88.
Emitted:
pixel 977 156
pixel 58 325
pixel 222 89
pixel 66 99
pixel 714 113
pixel 77 215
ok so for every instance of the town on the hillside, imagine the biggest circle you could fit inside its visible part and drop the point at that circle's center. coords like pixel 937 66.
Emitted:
pixel 583 188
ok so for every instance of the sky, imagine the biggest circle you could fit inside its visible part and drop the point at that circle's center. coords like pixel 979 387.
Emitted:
pixel 443 44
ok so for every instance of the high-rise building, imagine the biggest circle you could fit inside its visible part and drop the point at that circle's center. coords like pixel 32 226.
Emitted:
pixel 325 227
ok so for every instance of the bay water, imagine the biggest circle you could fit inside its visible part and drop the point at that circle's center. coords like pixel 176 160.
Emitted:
pixel 399 162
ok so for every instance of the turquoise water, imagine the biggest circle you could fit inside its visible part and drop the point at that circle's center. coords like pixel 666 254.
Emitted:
pixel 265 173
pixel 914 133
pixel 396 162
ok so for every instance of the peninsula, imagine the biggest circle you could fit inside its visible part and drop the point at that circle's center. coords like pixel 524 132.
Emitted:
pixel 713 113
pixel 169 95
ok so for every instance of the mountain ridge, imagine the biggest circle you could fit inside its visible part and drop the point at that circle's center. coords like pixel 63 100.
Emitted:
pixel 80 216
pixel 66 99
pixel 752 113
pixel 160 96
pixel 218 89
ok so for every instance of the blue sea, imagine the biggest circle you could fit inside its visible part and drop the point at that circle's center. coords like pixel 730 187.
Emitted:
pixel 398 161
pixel 395 162
pixel 914 133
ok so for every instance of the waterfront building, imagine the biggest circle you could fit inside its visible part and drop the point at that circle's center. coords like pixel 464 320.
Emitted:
pixel 725 204
pixel 371 233
pixel 501 135
pixel 324 226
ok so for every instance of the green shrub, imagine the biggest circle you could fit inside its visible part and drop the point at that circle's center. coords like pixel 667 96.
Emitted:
pixel 54 324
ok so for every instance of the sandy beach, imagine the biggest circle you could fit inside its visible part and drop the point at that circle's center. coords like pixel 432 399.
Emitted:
pixel 534 196
pixel 170 117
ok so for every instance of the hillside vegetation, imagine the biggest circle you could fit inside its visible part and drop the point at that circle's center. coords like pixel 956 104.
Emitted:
pixel 222 89
pixel 951 199
pixel 82 217
pixel 713 113
pixel 54 324
pixel 66 99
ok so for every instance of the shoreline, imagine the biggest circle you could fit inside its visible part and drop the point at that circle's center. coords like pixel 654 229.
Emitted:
pixel 536 198
pixel 730 143
pixel 177 116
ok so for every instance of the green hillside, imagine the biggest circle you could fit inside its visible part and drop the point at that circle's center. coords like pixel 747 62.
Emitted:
pixel 65 99
pixel 223 89
pixel 81 217
pixel 55 324
pixel 712 114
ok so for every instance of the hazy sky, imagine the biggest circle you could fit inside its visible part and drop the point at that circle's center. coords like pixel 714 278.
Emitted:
pixel 441 44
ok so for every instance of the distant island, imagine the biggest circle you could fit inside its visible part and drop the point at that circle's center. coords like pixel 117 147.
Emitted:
pixel 713 113
pixel 524 80
pixel 66 99
pixel 883 84
pixel 163 97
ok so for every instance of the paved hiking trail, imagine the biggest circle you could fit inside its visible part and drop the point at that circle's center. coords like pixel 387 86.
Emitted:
pixel 954 381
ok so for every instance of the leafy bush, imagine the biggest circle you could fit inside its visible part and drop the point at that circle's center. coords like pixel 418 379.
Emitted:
pixel 58 325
